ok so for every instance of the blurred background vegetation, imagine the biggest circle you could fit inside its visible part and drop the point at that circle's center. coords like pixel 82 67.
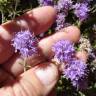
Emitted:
pixel 9 9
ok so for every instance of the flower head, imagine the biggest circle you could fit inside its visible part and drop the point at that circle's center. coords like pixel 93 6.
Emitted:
pixel 64 5
pixel 26 43
pixel 60 21
pixel 75 71
pixel 86 1
pixel 85 45
pixel 81 10
pixel 63 50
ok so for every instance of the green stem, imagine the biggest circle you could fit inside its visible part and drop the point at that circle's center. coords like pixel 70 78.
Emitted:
pixel 15 9
pixel 2 16
pixel 79 23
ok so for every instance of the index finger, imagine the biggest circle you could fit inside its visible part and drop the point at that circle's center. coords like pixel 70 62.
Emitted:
pixel 37 20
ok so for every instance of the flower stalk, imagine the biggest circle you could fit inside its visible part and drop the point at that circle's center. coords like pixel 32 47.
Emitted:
pixel 26 44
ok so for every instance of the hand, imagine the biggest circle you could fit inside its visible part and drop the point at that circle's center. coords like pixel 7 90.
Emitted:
pixel 41 79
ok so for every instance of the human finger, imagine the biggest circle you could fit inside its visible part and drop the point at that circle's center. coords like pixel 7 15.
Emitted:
pixel 38 81
pixel 82 55
pixel 37 20
pixel 72 33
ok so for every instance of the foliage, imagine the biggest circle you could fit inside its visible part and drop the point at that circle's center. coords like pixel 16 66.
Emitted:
pixel 9 9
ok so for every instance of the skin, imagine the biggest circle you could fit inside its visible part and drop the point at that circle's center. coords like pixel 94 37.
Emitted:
pixel 40 79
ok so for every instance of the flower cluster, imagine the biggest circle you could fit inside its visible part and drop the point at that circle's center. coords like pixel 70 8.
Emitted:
pixel 86 1
pixel 75 69
pixel 85 45
pixel 60 21
pixel 63 50
pixel 62 8
pixel 81 10
pixel 64 5
pixel 26 43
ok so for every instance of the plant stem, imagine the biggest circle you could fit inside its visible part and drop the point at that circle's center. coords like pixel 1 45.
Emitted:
pixel 2 16
pixel 25 64
pixel 15 9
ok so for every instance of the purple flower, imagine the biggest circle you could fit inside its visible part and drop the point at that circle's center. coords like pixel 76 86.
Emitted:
pixel 76 70
pixel 64 5
pixel 81 10
pixel 60 21
pixel 63 50
pixel 26 43
pixel 62 8
pixel 86 1
pixel 46 2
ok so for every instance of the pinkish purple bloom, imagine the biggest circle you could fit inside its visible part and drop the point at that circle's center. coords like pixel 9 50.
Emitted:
pixel 63 50
pixel 81 10
pixel 26 43
pixel 76 71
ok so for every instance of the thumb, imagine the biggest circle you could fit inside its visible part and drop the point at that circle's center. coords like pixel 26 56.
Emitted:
pixel 40 80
